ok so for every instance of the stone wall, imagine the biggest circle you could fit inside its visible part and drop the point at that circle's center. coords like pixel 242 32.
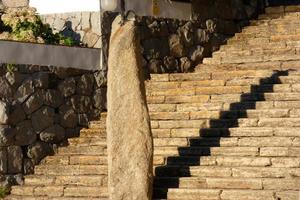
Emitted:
pixel 84 27
pixel 40 108
pixel 169 45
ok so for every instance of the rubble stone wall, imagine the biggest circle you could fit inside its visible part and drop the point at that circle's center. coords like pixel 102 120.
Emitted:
pixel 84 27
pixel 168 45
pixel 40 107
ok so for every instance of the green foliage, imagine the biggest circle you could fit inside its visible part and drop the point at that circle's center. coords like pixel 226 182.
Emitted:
pixel 11 68
pixel 26 25
pixel 3 192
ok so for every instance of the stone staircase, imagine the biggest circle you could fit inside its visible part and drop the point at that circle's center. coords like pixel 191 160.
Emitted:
pixel 229 131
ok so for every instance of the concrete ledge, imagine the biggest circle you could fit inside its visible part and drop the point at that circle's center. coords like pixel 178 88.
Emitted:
pixel 49 55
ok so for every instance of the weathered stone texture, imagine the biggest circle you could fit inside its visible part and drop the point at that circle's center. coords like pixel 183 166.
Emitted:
pixel 129 147
pixel 41 107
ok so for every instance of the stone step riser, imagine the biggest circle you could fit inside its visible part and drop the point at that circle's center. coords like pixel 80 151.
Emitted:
pixel 227 172
pixel 227 183
pixel 60 191
pixel 214 194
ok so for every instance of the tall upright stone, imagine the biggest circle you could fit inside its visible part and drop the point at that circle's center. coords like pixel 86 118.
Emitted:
pixel 130 145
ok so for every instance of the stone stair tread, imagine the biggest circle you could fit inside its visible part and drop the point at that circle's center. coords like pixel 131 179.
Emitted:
pixel 22 197
pixel 61 180
pixel 59 191
pixel 71 170
pixel 228 194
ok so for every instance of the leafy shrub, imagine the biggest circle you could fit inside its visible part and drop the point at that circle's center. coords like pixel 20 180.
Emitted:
pixel 23 24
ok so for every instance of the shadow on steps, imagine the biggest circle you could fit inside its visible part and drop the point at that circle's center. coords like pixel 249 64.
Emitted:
pixel 168 176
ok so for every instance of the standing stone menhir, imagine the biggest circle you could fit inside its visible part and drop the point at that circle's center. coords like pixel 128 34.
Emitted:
pixel 130 146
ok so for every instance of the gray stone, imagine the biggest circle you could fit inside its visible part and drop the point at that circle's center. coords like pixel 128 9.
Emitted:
pixel 7 136
pixel 25 134
pixel 81 104
pixel 164 31
pixel 156 66
pixel 68 117
pixel 43 118
pixel 185 64
pixel 172 25
pixel 34 102
pixel 99 98
pixel 41 80
pixel 100 78
pixel 28 166
pixel 187 34
pixel 19 179
pixel 155 29
pixel 64 73
pixel 85 84
pixel 129 147
pixel 67 87
pixel 211 25
pixel 4 112
pixel 15 161
pixel 3 161
pixel 17 115
pixel 83 120
pixel 90 39
pixel 202 36
pixel 197 54
pixel 15 3
pixel 171 63
pixel 15 79
pixel 176 46
pixel 53 134
pixel 38 151
pixel 53 98
pixel 5 89
pixel 155 48
pixel 24 91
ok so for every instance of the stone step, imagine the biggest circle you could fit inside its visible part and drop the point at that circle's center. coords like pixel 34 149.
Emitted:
pixel 239 132
pixel 22 197
pixel 208 76
pixel 226 172
pixel 70 170
pixel 75 160
pixel 82 150
pixel 233 114
pixel 95 131
pixel 60 191
pixel 88 180
pixel 211 194
pixel 251 59
pixel 282 9
pixel 263 88
pixel 249 141
pixel 227 183
pixel 228 123
pixel 88 141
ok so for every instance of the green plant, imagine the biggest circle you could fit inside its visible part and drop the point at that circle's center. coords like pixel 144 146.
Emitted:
pixel 26 25
pixel 11 68
pixel 4 192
